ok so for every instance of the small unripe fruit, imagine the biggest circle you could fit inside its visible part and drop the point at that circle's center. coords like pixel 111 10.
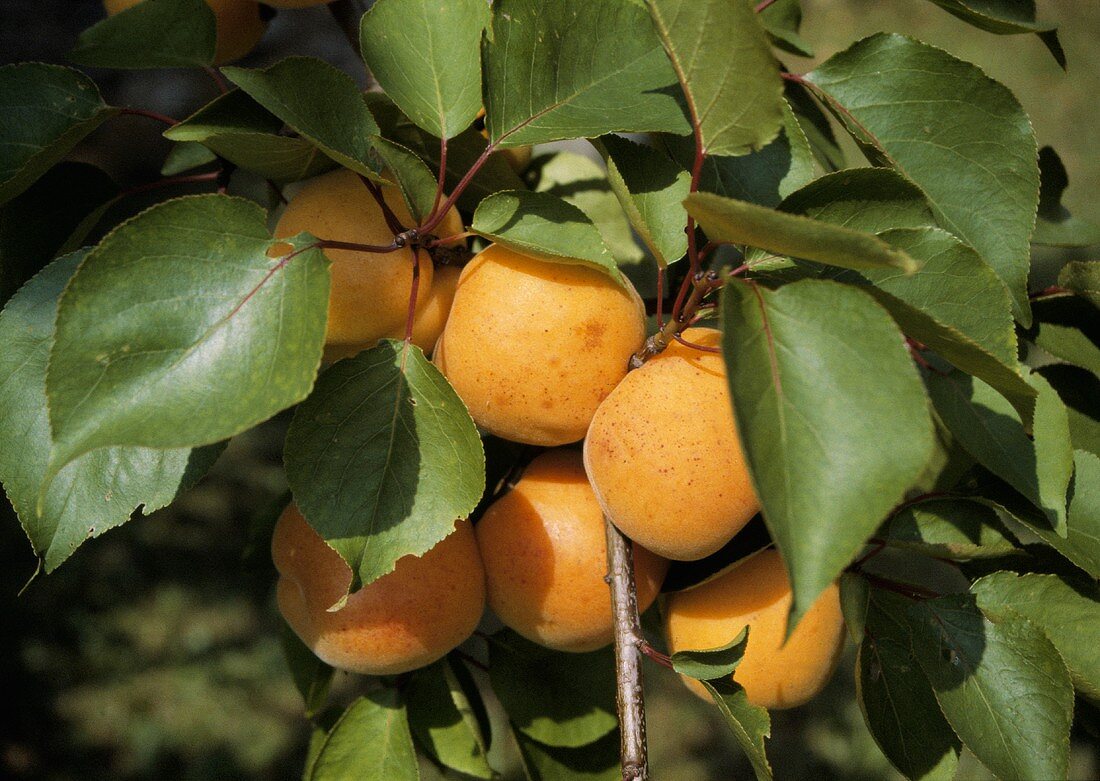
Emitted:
pixel 533 346
pixel 664 457
pixel 757 594
pixel 239 24
pixel 370 291
pixel 404 620
pixel 545 554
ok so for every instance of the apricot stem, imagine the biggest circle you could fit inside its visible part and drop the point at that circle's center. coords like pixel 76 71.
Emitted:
pixel 683 312
pixel 392 222
pixel 629 643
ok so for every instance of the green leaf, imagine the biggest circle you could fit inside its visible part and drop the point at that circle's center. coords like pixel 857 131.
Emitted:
pixel 1000 683
pixel 543 226
pixel 651 189
pixel 186 156
pixel 97 491
pixel 1083 278
pixel 598 761
pixel 178 330
pixel 1055 226
pixel 388 478
pixel 1067 612
pixel 1006 17
pixel 750 724
pixel 951 529
pixel 560 699
pixel 574 69
pixel 319 102
pixel 415 180
pixel 872 200
pixel 47 110
pixel 442 721
pixel 583 182
pixel 855 594
pixel 782 19
pixel 707 665
pixel 919 110
pixel 1080 392
pixel 425 55
pixel 38 223
pixel 151 34
pixel 896 698
pixel 312 677
pixel 815 125
pixel 740 222
pixel 804 355
pixel 239 129
pixel 725 66
pixel 987 426
pixel 370 742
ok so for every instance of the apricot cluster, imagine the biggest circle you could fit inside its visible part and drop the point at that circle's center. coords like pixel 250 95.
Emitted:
pixel 539 351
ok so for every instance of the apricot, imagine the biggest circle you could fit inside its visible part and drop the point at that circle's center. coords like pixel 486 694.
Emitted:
pixel 545 554
pixel 533 346
pixel 757 594
pixel 664 457
pixel 239 24
pixel 404 620
pixel 370 291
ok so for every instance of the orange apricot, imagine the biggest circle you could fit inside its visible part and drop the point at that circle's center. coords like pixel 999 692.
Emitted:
pixel 404 620
pixel 545 554
pixel 757 594
pixel 533 346
pixel 664 457
pixel 239 24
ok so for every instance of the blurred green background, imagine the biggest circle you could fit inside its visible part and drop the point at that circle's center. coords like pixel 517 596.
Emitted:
pixel 154 653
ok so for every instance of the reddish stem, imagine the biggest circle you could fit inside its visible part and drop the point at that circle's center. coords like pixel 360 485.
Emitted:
pixel 655 655
pixel 356 247
pixel 139 112
pixel 701 347
pixel 463 183
pixel 442 175
pixel 660 297
pixel 762 5
pixel 449 239
pixel 218 79
pixel 412 296
pixel 211 176
pixel 1053 290
pixel 392 222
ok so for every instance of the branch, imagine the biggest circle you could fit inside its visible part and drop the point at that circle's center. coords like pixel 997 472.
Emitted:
pixel 628 658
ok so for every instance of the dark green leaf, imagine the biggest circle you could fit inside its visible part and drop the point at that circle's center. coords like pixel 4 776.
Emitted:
pixel 750 724
pixel 151 34
pixel 186 156
pixel 426 56
pixel 319 102
pixel 38 223
pixel 921 111
pixel 246 134
pixel 1000 683
pixel 817 128
pixel 725 67
pixel 1083 278
pixel 1005 17
pixel 1055 226
pixel 1067 612
pixel 370 742
pixel 179 330
pixel 782 19
pixel 312 677
pixel 949 528
pixel 97 491
pixel 388 478
pixel 707 665
pixel 897 700
pixel 443 723
pixel 804 355
pixel 598 761
pixel 740 222
pixel 855 595
pixel 583 182
pixel 573 69
pixel 47 110
pixel 415 180
pixel 1080 392
pixel 543 226
pixel 559 699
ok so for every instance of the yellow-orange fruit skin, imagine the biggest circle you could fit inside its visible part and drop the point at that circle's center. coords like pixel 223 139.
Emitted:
pixel 534 346
pixel 239 24
pixel 756 593
pixel 545 554
pixel 369 297
pixel 664 457
pixel 404 620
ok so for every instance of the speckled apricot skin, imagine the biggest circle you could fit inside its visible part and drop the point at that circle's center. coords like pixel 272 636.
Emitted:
pixel 370 291
pixel 239 24
pixel 664 457
pixel 545 554
pixel 534 346
pixel 404 620
pixel 757 593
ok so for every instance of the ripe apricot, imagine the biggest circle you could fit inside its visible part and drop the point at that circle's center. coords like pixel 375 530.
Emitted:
pixel 757 594
pixel 370 291
pixel 533 346
pixel 239 24
pixel 545 554
pixel 404 620
pixel 664 457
